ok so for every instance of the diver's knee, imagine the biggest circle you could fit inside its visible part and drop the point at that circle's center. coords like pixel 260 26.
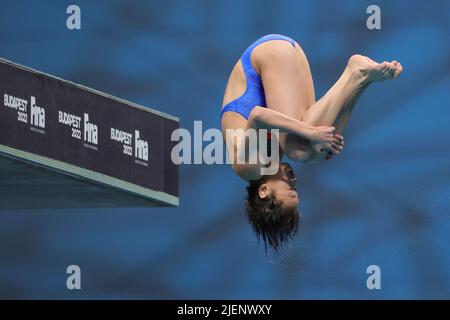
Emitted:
pixel 316 157
pixel 297 149
pixel 298 155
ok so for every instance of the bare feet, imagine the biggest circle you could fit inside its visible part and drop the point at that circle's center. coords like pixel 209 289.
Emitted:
pixel 368 71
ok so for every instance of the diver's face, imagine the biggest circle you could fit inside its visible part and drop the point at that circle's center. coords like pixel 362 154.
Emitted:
pixel 282 186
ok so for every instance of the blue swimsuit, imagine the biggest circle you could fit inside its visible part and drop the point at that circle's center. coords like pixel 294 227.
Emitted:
pixel 254 92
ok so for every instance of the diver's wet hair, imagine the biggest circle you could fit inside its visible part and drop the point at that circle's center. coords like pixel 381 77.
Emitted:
pixel 270 221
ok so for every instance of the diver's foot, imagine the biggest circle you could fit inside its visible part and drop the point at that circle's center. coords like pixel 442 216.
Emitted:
pixel 367 71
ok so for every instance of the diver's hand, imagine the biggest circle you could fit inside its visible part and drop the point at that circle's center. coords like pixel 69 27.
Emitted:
pixel 337 146
pixel 321 138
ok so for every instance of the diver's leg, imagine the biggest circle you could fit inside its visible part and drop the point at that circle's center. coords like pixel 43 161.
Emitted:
pixel 288 87
pixel 337 105
pixel 342 97
pixel 288 90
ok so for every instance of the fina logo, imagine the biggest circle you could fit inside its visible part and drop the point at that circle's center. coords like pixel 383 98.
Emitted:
pixel 140 147
pixel 90 130
pixel 37 114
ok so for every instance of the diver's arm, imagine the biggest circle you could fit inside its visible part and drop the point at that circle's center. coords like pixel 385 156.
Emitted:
pixel 242 153
pixel 265 118
pixel 299 150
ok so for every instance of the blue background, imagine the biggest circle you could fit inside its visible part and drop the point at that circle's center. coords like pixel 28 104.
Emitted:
pixel 384 201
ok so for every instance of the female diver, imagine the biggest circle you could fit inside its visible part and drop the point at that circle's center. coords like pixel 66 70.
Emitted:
pixel 271 87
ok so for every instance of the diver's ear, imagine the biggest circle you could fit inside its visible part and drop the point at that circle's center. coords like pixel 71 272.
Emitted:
pixel 263 191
